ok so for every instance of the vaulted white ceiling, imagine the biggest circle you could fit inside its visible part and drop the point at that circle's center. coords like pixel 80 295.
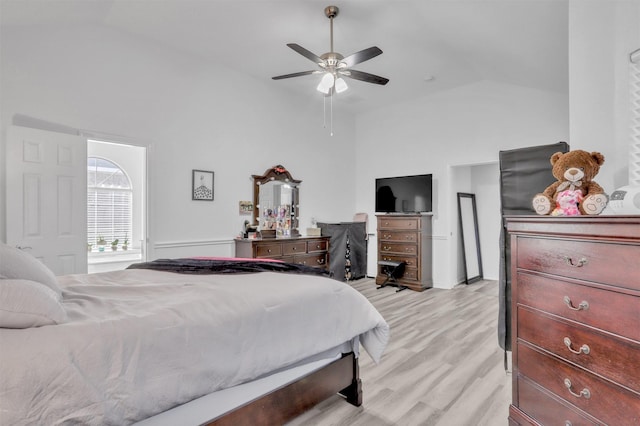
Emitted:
pixel 457 42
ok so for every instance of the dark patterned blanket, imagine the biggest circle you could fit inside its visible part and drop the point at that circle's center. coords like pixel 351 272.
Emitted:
pixel 226 266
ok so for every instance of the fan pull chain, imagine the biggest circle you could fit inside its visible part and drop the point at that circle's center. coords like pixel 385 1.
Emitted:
pixel 324 112
pixel 331 112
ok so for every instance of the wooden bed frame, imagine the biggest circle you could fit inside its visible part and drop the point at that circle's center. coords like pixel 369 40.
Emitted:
pixel 283 404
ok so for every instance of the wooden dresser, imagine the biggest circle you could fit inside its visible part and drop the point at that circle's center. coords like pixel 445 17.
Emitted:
pixel 576 320
pixel 311 251
pixel 406 238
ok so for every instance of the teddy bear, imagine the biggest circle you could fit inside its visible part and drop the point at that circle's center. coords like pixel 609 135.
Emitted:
pixel 575 192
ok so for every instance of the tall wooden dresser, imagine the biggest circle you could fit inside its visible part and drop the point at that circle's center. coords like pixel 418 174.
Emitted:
pixel 576 320
pixel 406 238
pixel 310 251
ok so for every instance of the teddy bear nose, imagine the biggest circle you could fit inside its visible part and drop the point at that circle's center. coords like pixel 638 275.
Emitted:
pixel 573 172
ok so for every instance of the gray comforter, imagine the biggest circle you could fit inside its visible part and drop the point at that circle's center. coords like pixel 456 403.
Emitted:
pixel 138 342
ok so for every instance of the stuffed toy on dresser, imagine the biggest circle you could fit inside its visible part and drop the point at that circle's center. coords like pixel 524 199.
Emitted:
pixel 575 192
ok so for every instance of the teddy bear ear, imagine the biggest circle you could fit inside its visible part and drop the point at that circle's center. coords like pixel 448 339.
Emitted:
pixel 599 158
pixel 555 157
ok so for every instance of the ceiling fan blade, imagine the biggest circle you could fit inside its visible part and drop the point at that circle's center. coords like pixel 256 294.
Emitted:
pixel 364 76
pixel 307 54
pixel 361 56
pixel 295 74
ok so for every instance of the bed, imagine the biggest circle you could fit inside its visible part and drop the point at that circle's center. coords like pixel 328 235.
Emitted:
pixel 196 346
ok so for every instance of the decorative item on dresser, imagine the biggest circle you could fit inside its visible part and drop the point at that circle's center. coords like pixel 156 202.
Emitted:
pixel 310 251
pixel 406 238
pixel 575 316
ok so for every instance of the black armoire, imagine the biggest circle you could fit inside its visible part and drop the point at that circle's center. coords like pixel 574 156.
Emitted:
pixel 524 172
pixel 347 249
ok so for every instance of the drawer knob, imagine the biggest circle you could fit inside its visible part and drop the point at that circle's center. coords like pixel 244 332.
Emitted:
pixel 584 393
pixel 320 261
pixel 577 264
pixel 583 306
pixel 584 349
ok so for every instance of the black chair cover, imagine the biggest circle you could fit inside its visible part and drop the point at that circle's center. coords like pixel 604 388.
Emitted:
pixel 524 172
pixel 347 262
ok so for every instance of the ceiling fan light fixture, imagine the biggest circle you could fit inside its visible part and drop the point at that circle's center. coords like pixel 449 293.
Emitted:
pixel 326 83
pixel 333 66
pixel 323 89
pixel 340 85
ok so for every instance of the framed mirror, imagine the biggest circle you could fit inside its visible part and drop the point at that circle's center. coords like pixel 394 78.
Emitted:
pixel 470 238
pixel 275 200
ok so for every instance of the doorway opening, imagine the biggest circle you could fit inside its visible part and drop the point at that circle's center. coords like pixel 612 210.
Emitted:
pixel 116 205
pixel 483 181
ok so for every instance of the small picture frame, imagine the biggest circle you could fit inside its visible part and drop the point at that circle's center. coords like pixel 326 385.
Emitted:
pixel 245 207
pixel 202 185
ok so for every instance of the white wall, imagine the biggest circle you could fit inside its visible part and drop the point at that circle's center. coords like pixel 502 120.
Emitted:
pixel 192 114
pixel 601 36
pixel 464 126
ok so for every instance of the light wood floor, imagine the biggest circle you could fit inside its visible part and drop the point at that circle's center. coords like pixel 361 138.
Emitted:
pixel 443 365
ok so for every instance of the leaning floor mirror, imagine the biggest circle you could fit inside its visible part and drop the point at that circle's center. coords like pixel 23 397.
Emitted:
pixel 470 238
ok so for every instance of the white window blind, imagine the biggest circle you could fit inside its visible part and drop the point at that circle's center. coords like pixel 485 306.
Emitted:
pixel 109 202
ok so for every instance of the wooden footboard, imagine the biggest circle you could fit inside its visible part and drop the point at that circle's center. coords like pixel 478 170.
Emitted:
pixel 289 401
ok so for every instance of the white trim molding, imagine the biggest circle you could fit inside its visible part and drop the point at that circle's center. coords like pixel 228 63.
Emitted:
pixel 192 243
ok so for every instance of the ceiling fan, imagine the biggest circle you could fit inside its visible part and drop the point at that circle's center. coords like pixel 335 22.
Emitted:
pixel 334 66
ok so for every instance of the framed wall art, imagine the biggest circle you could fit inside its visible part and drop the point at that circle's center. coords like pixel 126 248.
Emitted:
pixel 245 207
pixel 202 185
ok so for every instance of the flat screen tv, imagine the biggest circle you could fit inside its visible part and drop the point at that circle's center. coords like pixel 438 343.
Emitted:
pixel 404 194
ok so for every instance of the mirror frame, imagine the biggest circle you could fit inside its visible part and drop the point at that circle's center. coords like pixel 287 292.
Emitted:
pixel 276 173
pixel 469 237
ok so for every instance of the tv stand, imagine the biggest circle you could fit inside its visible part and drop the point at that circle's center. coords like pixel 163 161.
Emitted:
pixel 405 238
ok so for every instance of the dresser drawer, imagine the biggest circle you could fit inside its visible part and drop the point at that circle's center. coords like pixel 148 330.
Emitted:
pixel 411 275
pixel 398 248
pixel 269 250
pixel 398 223
pixel 316 260
pixel 316 245
pixel 411 261
pixel 615 264
pixel 547 409
pixel 608 310
pixel 410 237
pixel 605 401
pixel 294 248
pixel 614 358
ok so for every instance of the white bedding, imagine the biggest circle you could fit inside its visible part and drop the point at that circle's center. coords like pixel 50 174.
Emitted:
pixel 138 342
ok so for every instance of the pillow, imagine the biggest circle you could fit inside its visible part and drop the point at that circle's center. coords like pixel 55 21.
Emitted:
pixel 25 303
pixel 17 264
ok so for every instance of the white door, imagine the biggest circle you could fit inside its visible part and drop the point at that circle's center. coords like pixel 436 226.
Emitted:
pixel 47 197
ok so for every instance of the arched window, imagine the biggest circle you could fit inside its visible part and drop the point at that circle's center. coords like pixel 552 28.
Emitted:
pixel 109 200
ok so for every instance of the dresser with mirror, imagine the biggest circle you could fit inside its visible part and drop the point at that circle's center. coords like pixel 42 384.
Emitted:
pixel 276 209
